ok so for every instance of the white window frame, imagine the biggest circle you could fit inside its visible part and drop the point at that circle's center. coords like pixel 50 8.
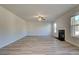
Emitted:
pixel 74 26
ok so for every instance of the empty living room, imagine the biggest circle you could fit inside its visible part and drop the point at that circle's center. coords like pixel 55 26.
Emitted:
pixel 39 29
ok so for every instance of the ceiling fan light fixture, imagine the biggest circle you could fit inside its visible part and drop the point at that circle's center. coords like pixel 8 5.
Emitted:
pixel 40 18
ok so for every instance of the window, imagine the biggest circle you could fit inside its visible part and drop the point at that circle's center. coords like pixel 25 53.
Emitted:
pixel 75 26
pixel 55 27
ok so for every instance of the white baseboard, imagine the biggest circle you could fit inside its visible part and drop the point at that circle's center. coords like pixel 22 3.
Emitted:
pixel 72 43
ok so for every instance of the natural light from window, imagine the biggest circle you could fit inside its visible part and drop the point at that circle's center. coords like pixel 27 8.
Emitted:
pixel 75 26
pixel 55 27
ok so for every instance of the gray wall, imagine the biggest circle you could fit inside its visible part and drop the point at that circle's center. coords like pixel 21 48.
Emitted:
pixel 38 29
pixel 63 22
pixel 13 28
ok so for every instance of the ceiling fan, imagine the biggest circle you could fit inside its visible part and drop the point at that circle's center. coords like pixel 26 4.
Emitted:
pixel 40 17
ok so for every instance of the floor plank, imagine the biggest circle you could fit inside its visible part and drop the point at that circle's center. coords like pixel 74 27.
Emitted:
pixel 41 46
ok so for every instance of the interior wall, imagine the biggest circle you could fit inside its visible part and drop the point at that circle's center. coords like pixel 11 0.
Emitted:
pixel 38 29
pixel 12 27
pixel 64 23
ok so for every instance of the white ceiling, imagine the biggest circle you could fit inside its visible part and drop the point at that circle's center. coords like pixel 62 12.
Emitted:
pixel 27 11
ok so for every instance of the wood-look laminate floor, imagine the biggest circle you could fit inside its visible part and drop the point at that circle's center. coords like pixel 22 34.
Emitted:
pixel 39 45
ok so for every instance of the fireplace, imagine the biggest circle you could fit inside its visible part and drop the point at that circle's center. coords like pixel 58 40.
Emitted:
pixel 61 35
